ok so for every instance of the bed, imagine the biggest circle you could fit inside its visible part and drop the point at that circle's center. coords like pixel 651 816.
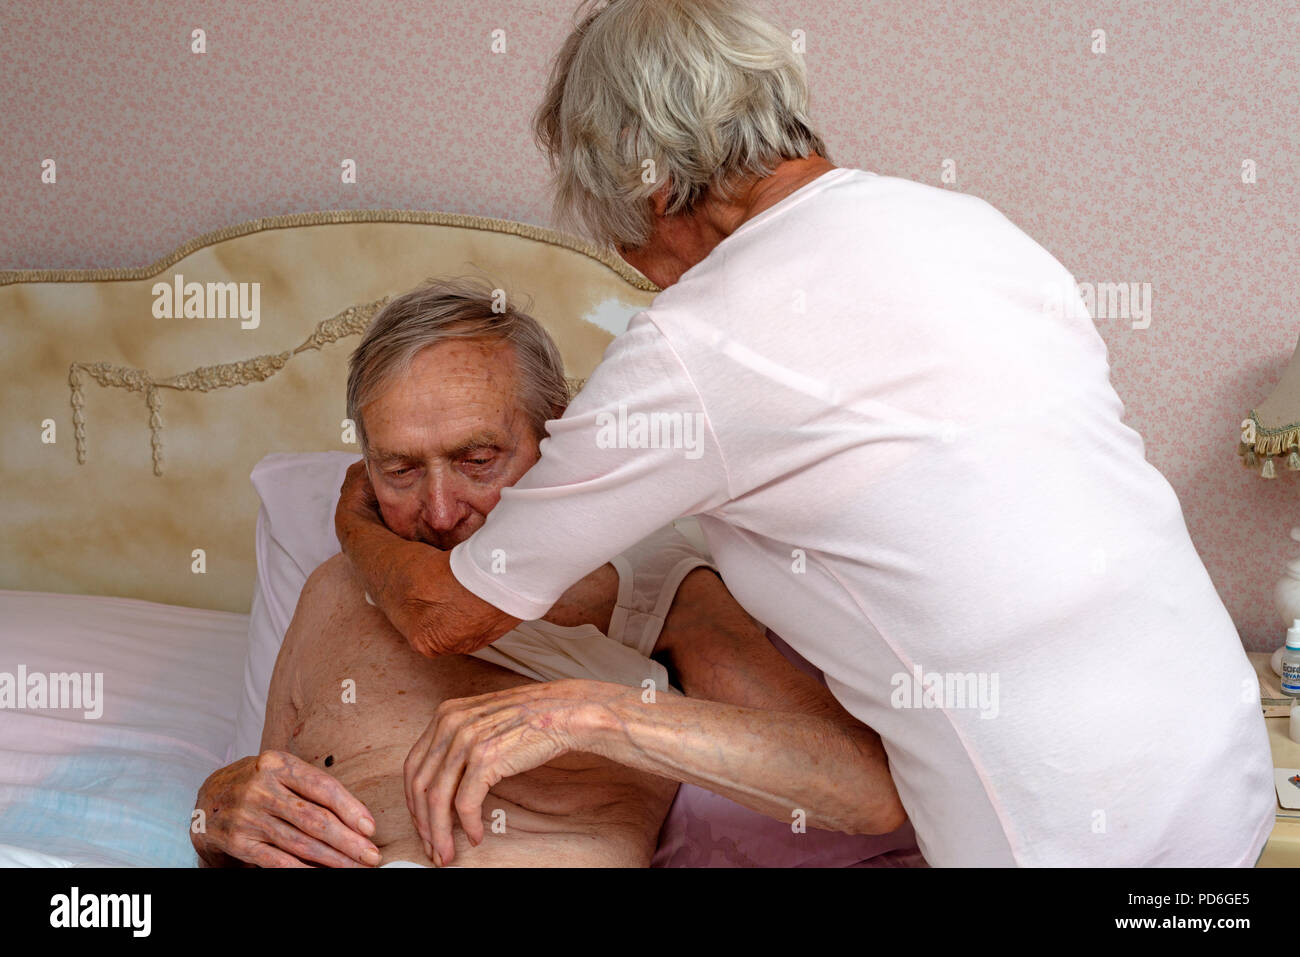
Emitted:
pixel 140 555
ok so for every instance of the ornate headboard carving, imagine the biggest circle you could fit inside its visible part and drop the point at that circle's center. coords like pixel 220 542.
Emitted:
pixel 120 523
pixel 350 322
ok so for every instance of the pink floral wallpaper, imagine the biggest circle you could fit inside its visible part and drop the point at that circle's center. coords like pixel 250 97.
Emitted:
pixel 1140 143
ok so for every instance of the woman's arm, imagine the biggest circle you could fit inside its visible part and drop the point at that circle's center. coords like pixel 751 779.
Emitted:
pixel 754 729
pixel 411 582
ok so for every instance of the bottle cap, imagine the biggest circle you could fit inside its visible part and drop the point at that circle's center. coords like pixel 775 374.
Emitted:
pixel 1293 636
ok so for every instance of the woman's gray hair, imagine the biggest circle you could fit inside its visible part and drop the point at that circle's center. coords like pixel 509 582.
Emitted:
pixel 708 89
pixel 442 310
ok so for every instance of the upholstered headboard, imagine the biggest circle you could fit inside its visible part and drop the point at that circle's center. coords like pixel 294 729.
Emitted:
pixel 130 427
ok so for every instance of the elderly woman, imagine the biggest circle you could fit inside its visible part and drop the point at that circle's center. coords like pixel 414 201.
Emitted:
pixel 892 415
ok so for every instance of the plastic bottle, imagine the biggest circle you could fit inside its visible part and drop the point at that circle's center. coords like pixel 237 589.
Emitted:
pixel 1286 593
pixel 1291 661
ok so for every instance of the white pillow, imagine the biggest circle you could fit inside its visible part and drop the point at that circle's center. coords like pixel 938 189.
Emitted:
pixel 295 535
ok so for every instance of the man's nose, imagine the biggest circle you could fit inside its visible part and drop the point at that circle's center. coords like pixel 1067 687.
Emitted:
pixel 442 503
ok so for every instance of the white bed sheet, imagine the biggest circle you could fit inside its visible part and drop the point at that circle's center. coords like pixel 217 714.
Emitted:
pixel 117 790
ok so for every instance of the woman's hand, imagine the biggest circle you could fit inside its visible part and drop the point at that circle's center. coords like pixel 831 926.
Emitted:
pixel 357 503
pixel 472 743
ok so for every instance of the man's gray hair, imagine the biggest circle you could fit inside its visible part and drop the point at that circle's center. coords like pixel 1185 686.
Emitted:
pixel 708 89
pixel 442 310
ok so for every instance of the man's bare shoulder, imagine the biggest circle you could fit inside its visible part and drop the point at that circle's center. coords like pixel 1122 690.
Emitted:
pixel 333 577
pixel 331 589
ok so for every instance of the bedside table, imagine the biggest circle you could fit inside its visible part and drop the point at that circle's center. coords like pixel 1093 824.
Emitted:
pixel 1283 847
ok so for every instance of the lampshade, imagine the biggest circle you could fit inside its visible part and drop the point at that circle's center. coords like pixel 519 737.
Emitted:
pixel 1273 427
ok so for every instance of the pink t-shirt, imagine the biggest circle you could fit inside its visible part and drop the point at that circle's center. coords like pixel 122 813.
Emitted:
pixel 892 414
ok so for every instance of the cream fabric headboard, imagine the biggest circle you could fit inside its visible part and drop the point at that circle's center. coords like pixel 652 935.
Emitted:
pixel 112 526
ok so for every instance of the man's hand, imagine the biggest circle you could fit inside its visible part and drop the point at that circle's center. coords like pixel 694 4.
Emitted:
pixel 276 810
pixel 472 743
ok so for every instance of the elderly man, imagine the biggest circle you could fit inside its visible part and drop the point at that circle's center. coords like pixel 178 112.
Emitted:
pixel 914 468
pixel 450 397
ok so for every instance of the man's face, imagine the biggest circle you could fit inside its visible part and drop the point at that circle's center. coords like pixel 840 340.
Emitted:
pixel 445 439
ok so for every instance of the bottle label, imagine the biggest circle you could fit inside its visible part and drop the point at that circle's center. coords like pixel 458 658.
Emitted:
pixel 1290 677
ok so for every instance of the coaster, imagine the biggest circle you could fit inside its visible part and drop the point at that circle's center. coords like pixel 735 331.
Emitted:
pixel 1287 781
